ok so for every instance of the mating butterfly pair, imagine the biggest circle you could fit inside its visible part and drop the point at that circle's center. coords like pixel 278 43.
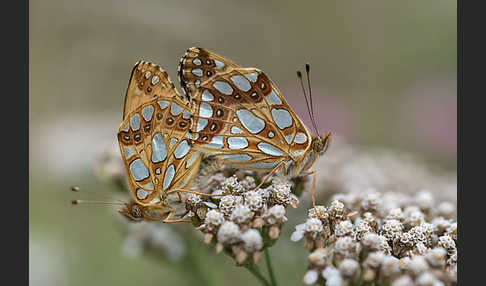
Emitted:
pixel 235 114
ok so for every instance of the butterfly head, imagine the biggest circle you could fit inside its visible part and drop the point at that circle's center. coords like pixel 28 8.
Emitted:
pixel 136 212
pixel 320 143
pixel 132 211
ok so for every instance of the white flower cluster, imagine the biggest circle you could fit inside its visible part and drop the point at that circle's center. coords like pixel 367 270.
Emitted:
pixel 380 238
pixel 245 220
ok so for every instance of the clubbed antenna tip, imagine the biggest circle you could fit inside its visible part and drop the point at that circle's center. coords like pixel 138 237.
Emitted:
pixel 299 74
pixel 74 202
pixel 75 188
pixel 307 67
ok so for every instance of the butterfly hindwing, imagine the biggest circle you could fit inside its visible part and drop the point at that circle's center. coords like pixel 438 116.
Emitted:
pixel 240 115
pixel 155 147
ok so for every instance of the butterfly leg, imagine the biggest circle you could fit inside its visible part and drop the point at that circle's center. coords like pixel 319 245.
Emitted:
pixel 313 190
pixel 197 193
pixel 269 175
pixel 169 220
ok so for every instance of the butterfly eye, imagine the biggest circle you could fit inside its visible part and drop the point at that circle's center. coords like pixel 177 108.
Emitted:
pixel 136 211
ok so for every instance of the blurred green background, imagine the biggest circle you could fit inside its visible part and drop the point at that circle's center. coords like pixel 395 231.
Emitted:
pixel 383 73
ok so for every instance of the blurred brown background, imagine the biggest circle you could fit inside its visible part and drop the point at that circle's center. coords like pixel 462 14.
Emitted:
pixel 383 73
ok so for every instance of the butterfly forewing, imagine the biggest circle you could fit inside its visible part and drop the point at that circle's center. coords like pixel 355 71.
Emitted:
pixel 147 81
pixel 239 114
pixel 155 147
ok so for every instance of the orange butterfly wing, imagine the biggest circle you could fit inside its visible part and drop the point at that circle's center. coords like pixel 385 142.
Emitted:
pixel 147 81
pixel 239 114
pixel 154 143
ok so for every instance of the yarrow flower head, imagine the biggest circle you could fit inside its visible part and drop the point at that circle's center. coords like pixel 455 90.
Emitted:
pixel 372 241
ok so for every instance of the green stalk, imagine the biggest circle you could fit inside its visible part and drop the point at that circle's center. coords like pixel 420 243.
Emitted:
pixel 253 268
pixel 270 268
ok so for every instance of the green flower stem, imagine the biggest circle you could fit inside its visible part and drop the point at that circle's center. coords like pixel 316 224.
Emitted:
pixel 253 268
pixel 270 268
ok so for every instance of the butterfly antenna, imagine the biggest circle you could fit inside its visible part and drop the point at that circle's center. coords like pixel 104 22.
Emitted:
pixel 307 71
pixel 113 202
pixel 78 202
pixel 299 75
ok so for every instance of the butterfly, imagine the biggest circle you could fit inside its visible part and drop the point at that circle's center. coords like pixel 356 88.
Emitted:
pixel 154 143
pixel 240 117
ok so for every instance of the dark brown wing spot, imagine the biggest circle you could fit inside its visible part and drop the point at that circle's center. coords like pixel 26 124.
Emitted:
pixel 219 112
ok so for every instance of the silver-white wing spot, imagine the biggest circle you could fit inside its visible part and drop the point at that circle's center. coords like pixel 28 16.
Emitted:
pixel 216 142
pixel 252 76
pixel 238 157
pixel 205 110
pixel 172 142
pixel 168 177
pixel 223 87
pixel 147 112
pixel 237 142
pixel 300 138
pixel 282 117
pixel 207 96
pixel 236 130
pixel 163 104
pixel 138 170
pixel 197 72
pixel 159 149
pixel 135 122
pixel 241 82
pixel 269 149
pixel 182 149
pixel 175 109
pixel 273 98
pixel 219 64
pixel 129 151
pixel 142 194
pixel 250 121
pixel 155 80
pixel 201 124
